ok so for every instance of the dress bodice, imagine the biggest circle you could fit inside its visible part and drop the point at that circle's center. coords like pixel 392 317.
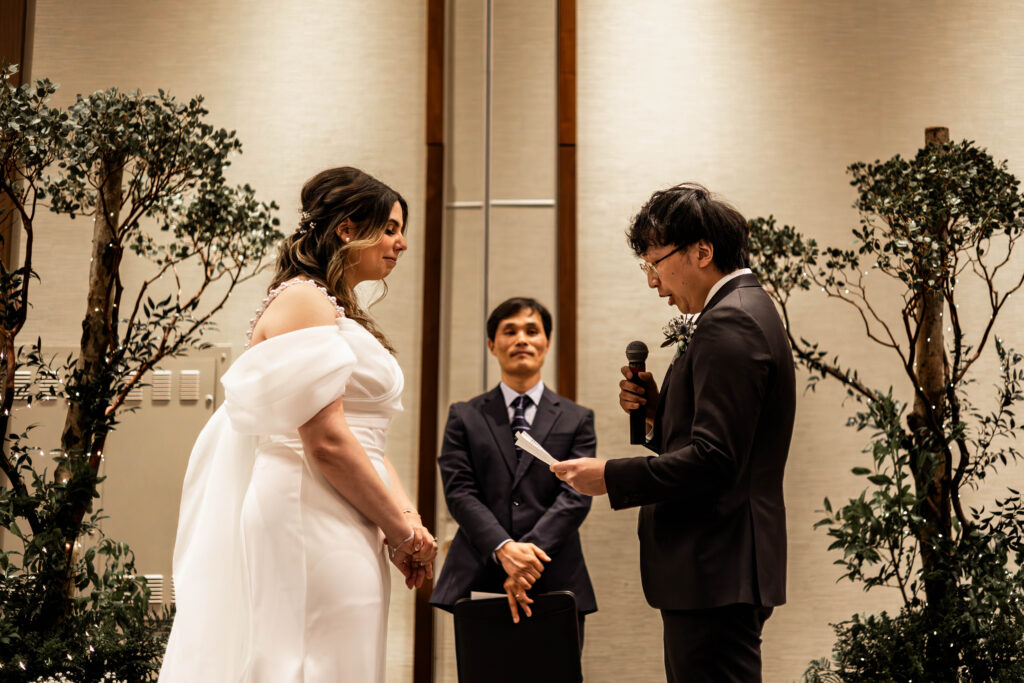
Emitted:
pixel 280 383
pixel 375 386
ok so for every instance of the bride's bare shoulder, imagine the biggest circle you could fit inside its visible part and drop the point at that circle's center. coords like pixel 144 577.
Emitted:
pixel 296 307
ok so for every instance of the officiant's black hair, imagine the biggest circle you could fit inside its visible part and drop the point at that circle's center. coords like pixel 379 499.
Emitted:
pixel 510 307
pixel 685 214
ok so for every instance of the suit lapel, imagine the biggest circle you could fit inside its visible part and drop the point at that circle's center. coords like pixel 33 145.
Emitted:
pixel 547 414
pixel 659 414
pixel 496 413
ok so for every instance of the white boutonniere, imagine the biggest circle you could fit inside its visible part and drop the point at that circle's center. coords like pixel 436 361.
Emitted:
pixel 679 331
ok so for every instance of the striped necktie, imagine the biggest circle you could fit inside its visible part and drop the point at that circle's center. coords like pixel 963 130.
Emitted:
pixel 519 424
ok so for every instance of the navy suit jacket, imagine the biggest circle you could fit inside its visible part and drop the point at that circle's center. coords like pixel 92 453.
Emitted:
pixel 713 524
pixel 494 494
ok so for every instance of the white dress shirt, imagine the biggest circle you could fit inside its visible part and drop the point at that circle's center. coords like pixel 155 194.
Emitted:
pixel 510 394
pixel 534 392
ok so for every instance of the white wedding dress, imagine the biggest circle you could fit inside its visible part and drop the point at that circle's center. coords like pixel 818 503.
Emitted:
pixel 278 579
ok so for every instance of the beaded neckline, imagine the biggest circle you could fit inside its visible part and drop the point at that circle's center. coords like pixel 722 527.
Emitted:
pixel 272 294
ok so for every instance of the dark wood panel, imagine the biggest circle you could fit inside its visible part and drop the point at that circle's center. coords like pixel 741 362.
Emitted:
pixel 13 39
pixel 435 71
pixel 12 30
pixel 430 337
pixel 566 72
pixel 565 339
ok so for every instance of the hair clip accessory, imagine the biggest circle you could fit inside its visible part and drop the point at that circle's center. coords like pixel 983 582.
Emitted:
pixel 305 224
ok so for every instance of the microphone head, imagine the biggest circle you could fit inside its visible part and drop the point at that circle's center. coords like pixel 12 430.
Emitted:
pixel 636 352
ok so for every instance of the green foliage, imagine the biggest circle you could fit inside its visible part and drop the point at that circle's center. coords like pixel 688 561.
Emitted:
pixel 986 642
pixel 103 624
pixel 781 257
pixel 883 520
pixel 958 184
pixel 32 134
pixel 151 172
pixel 930 224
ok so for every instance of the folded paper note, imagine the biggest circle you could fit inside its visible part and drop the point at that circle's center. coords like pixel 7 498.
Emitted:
pixel 530 445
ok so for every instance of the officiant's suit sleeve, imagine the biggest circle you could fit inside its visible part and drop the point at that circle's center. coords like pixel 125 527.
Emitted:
pixel 731 366
pixel 563 518
pixel 462 487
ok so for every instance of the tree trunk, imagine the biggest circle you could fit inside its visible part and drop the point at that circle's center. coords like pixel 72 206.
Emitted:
pixel 84 425
pixel 84 415
pixel 929 414
pixel 927 421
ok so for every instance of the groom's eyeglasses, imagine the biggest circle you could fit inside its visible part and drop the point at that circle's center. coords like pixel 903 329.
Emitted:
pixel 651 269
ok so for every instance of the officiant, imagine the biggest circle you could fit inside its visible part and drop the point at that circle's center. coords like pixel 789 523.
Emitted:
pixel 518 524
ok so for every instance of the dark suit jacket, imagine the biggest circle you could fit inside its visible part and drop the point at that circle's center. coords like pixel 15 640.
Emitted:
pixel 713 526
pixel 494 494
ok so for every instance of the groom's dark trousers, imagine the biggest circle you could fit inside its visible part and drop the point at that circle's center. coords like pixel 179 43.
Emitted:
pixel 713 524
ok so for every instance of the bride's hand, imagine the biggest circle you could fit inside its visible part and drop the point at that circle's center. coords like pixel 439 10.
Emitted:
pixel 424 548
pixel 403 557
pixel 414 556
pixel 424 545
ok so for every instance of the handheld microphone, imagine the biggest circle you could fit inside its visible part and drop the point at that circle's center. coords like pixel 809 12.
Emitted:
pixel 636 356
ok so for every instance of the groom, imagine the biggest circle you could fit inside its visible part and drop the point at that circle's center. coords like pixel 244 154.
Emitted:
pixel 713 524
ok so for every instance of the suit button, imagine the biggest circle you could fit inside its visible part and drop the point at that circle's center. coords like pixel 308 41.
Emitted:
pixel 516 502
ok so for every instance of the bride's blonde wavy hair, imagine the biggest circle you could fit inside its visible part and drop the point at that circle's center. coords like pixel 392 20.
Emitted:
pixel 316 251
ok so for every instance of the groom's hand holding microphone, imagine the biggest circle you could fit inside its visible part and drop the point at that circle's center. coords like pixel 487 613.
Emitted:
pixel 638 396
pixel 638 392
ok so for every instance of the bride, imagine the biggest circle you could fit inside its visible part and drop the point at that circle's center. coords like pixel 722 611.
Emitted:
pixel 289 505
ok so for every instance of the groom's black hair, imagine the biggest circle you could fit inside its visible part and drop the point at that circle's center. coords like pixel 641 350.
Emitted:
pixel 509 307
pixel 686 214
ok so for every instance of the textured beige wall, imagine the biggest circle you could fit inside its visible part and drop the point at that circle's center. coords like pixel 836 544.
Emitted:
pixel 766 103
pixel 307 86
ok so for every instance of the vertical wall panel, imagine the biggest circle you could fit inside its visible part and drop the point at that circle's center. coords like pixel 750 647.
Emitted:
pixel 500 234
pixel 523 100
pixel 523 263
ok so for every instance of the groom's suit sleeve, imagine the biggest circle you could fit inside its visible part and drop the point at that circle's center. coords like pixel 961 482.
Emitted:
pixel 570 508
pixel 732 367
pixel 462 488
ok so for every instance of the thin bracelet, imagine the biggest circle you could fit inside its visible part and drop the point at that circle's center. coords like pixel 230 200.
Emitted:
pixel 394 548
pixel 408 511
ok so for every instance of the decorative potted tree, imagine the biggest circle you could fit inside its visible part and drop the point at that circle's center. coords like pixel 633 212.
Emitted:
pixel 940 224
pixel 149 171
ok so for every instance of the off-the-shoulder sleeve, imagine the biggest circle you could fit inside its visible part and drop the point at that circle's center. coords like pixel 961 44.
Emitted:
pixel 281 383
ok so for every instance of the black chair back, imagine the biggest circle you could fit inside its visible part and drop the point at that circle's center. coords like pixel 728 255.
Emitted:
pixel 544 648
